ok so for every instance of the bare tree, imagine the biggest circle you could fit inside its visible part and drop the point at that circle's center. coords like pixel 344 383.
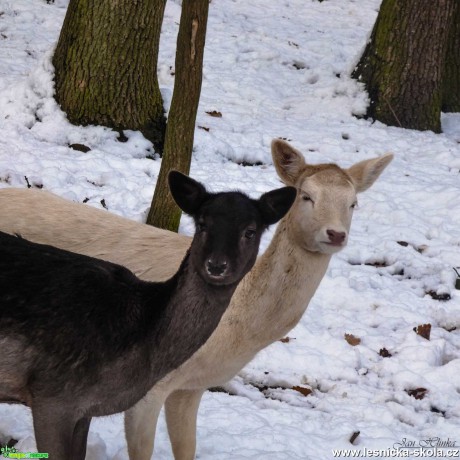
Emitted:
pixel 106 65
pixel 106 74
pixel 403 65
pixel 451 80
pixel 180 129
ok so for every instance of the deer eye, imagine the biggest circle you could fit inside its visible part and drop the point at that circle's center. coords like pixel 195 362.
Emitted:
pixel 250 233
pixel 201 227
pixel 354 205
pixel 306 197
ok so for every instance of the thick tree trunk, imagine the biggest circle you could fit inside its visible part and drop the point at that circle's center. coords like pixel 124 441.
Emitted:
pixel 106 65
pixel 180 130
pixel 451 80
pixel 402 65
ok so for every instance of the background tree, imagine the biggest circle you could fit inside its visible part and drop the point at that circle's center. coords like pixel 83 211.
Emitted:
pixel 106 65
pixel 106 74
pixel 404 63
pixel 180 130
pixel 451 80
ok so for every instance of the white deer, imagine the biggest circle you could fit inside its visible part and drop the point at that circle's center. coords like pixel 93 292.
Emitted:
pixel 267 304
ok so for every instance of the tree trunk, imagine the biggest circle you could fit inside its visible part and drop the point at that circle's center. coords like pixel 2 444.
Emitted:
pixel 180 130
pixel 451 80
pixel 402 65
pixel 106 65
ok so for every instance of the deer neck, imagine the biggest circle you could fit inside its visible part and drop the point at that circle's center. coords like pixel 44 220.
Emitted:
pixel 192 312
pixel 274 295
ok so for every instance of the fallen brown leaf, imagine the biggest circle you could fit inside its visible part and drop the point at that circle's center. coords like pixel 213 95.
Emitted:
pixel 214 113
pixel 384 353
pixel 417 393
pixel 286 339
pixel 352 340
pixel 303 390
pixel 423 330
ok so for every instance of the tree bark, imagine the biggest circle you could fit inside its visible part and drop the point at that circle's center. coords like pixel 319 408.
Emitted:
pixel 451 80
pixel 402 65
pixel 180 129
pixel 106 65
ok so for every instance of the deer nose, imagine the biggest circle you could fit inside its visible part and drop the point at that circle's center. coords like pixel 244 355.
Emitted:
pixel 216 268
pixel 336 238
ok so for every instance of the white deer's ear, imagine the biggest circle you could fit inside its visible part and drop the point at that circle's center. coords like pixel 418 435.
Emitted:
pixel 288 161
pixel 366 172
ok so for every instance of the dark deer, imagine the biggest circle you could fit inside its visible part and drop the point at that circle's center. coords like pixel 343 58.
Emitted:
pixel 82 337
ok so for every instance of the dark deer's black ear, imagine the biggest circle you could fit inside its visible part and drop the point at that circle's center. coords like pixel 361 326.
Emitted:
pixel 187 192
pixel 275 204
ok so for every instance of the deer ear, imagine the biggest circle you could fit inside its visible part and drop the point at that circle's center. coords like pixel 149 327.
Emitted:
pixel 187 192
pixel 275 204
pixel 366 172
pixel 288 161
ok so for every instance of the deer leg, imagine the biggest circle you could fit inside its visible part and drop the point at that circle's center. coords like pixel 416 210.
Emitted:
pixel 80 438
pixel 140 425
pixel 55 430
pixel 181 409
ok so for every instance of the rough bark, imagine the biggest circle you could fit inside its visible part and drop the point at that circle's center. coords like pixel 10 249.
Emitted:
pixel 180 130
pixel 106 65
pixel 402 65
pixel 451 80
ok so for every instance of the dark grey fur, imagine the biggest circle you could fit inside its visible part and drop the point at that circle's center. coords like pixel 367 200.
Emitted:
pixel 82 337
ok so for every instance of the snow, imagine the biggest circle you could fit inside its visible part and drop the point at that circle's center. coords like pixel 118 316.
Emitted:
pixel 275 69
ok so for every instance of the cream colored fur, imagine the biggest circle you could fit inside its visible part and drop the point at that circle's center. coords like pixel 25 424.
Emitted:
pixel 151 253
pixel 268 303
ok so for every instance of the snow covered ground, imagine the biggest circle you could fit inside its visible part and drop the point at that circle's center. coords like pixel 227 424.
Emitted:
pixel 276 69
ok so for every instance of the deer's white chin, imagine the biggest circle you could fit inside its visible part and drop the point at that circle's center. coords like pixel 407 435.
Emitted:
pixel 330 248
